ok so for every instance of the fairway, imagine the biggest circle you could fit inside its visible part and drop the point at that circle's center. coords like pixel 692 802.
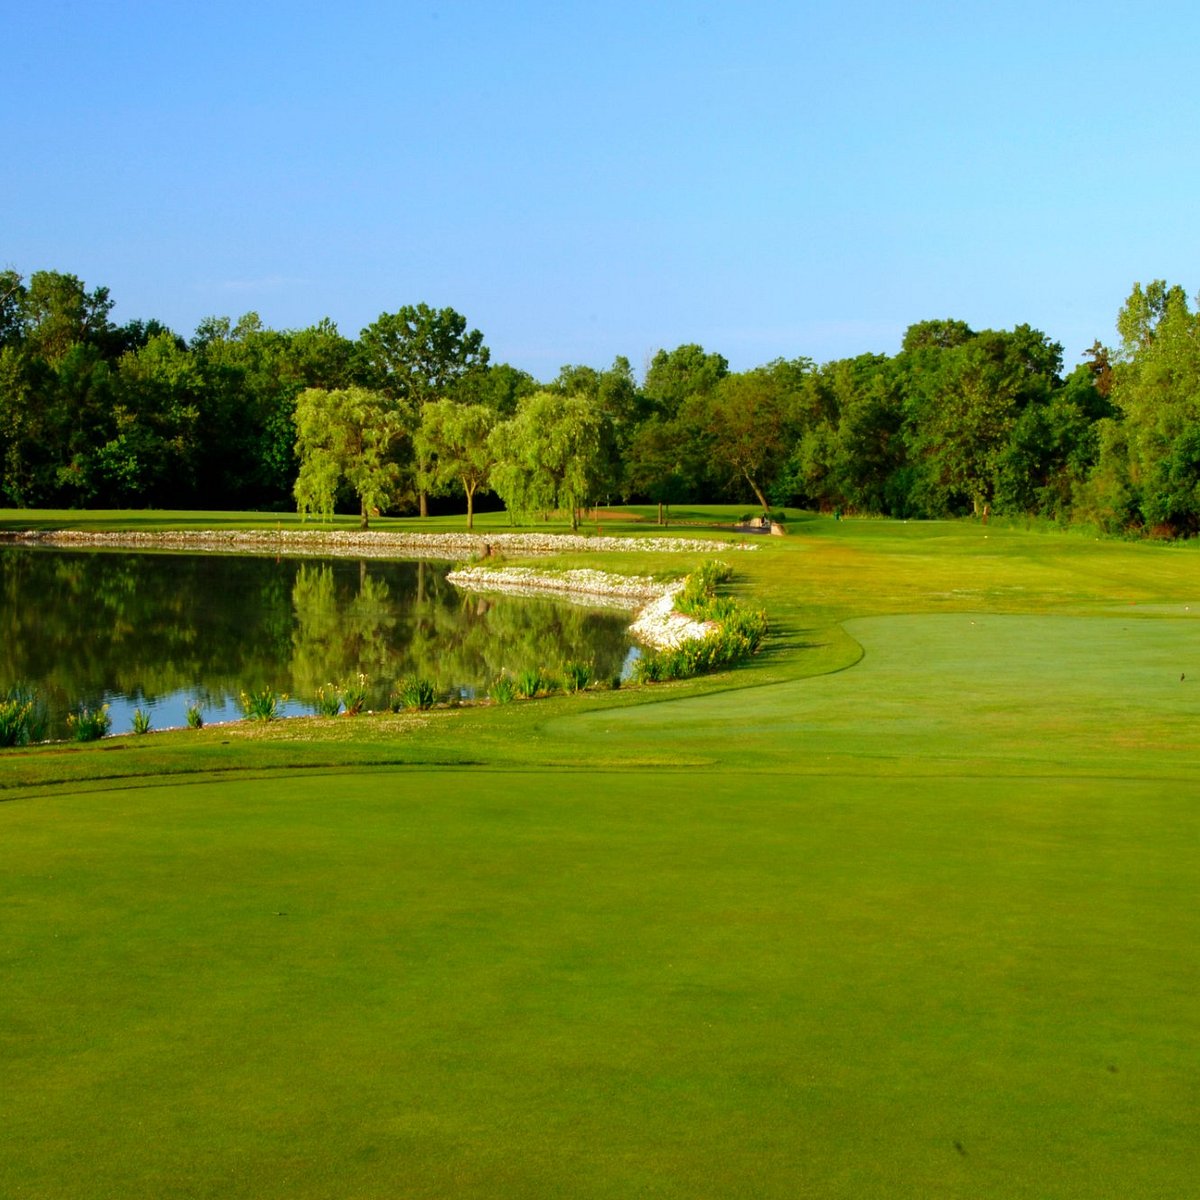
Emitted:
pixel 906 908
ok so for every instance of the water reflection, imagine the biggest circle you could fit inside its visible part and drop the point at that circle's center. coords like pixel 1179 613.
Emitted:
pixel 161 631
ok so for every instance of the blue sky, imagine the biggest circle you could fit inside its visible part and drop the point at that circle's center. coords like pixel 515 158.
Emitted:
pixel 767 179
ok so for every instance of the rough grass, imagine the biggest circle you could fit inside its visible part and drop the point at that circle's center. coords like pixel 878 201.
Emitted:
pixel 906 907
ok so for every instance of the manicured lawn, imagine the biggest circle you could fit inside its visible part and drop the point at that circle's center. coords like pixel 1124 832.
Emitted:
pixel 905 908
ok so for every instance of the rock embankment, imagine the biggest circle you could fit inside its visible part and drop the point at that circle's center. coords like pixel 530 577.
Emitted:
pixel 656 624
pixel 364 544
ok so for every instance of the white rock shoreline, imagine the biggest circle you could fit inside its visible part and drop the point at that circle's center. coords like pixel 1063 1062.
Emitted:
pixel 656 623
pixel 363 543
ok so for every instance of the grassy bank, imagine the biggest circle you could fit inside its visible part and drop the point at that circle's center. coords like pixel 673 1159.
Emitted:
pixel 905 907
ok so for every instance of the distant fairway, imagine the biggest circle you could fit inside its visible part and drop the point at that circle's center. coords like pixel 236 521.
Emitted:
pixel 908 907
pixel 958 693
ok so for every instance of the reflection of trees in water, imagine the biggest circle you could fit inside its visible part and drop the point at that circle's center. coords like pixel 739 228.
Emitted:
pixel 80 625
pixel 345 622
pixel 421 625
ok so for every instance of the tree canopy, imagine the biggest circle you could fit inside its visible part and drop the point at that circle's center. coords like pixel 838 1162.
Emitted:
pixel 959 420
pixel 348 436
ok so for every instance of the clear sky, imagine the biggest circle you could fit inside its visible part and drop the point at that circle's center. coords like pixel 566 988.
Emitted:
pixel 587 180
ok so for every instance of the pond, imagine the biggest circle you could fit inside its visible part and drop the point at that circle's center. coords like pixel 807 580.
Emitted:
pixel 161 631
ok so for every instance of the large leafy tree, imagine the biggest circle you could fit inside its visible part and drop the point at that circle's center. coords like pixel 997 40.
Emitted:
pixel 1151 465
pixel 963 404
pixel 675 376
pixel 549 455
pixel 750 423
pixel 420 355
pixel 56 407
pixel 159 394
pixel 655 465
pixel 59 312
pixel 455 440
pixel 349 435
pixel 621 407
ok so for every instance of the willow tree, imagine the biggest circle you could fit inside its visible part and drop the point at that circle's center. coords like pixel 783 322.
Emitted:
pixel 549 455
pixel 453 440
pixel 351 436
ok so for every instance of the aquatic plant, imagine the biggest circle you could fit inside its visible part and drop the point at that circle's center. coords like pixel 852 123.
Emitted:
pixel 264 705
pixel 414 693
pixel 529 683
pixel 353 695
pixel 576 676
pixel 89 724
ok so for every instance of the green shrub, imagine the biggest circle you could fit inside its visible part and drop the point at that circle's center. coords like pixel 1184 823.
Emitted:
pixel 13 723
pixel 529 683
pixel 265 705
pixel 502 691
pixel 648 668
pixel 576 676
pixel 23 716
pixel 414 693
pixel 195 718
pixel 89 724
pixel 141 721
pixel 327 702
pixel 700 587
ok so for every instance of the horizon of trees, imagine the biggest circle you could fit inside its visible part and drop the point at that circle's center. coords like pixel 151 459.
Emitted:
pixel 959 421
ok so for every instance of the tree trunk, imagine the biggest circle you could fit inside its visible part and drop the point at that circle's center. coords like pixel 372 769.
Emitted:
pixel 660 513
pixel 424 500
pixel 470 508
pixel 758 492
pixel 366 520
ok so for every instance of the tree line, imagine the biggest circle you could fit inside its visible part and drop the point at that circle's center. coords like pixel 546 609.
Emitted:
pixel 241 416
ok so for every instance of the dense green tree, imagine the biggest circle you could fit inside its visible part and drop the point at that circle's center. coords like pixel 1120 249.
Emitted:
pixel 962 407
pixel 1052 449
pixel 500 386
pixel 655 465
pixel 676 375
pixel 319 356
pixel 419 355
pixel 935 335
pixel 244 425
pixel 159 393
pixel 750 425
pixel 1152 467
pixel 12 304
pixel 58 313
pixel 622 408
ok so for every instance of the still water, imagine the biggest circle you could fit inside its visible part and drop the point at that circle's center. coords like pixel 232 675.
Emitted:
pixel 162 631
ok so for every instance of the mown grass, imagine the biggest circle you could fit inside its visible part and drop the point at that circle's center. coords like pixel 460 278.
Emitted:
pixel 906 907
